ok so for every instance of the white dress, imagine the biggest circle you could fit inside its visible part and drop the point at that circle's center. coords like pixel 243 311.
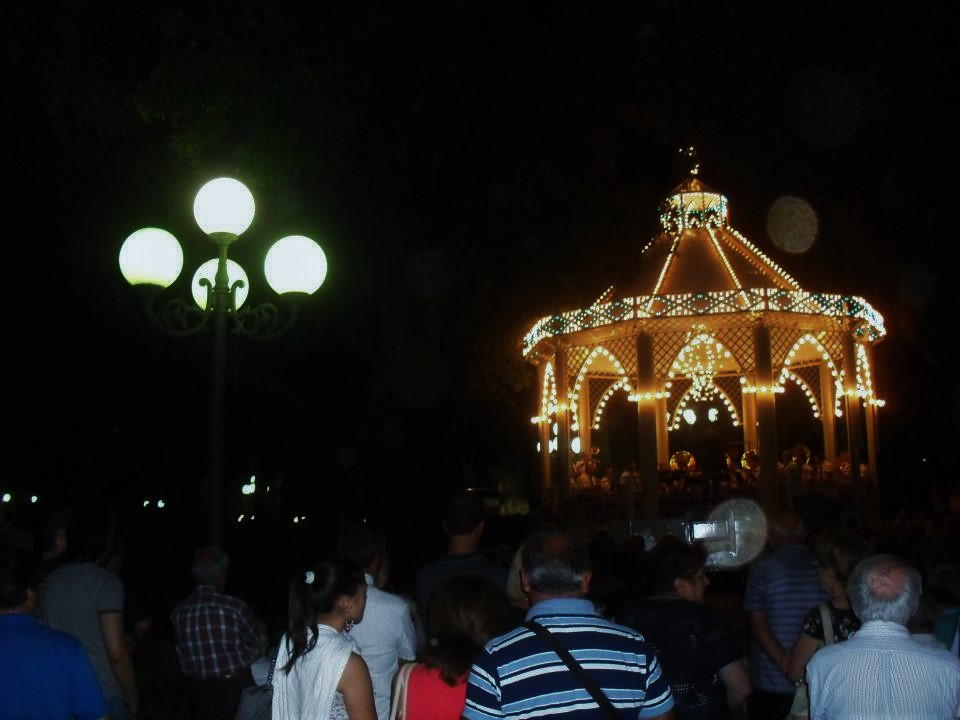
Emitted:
pixel 310 690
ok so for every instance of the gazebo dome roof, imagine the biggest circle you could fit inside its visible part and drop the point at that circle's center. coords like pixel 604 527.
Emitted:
pixel 698 269
pixel 698 251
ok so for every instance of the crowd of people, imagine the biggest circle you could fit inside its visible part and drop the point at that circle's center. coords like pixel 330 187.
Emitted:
pixel 807 482
pixel 571 621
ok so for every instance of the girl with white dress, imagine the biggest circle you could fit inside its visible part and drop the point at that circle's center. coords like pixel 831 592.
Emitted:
pixel 319 673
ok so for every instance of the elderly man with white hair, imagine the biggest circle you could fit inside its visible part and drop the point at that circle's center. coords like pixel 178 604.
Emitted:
pixel 882 672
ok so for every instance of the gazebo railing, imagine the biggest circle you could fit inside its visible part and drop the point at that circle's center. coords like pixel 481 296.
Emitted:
pixel 708 303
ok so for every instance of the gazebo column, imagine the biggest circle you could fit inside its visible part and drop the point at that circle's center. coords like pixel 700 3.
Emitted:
pixel 828 399
pixel 749 401
pixel 872 418
pixel 766 422
pixel 585 430
pixel 543 433
pixel 854 423
pixel 647 429
pixel 663 434
pixel 562 482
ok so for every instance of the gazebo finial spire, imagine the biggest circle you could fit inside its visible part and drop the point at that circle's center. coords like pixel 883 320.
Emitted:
pixel 692 158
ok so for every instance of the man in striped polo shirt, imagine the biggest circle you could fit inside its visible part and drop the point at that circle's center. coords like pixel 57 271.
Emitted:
pixel 517 675
pixel 781 587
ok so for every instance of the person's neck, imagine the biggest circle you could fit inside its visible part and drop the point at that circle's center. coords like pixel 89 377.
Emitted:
pixel 536 597
pixel 462 544
pixel 337 621
pixel 840 601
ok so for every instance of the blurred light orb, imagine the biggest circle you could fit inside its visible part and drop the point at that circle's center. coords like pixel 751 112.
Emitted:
pixel 224 205
pixel 151 256
pixel 792 225
pixel 208 271
pixel 295 264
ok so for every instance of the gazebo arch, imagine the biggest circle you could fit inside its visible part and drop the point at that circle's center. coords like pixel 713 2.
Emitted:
pixel 708 311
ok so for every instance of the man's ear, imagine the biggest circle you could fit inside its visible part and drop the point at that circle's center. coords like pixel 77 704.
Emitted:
pixel 585 581
pixel 524 580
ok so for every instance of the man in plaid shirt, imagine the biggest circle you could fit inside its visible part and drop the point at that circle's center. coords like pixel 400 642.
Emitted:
pixel 217 638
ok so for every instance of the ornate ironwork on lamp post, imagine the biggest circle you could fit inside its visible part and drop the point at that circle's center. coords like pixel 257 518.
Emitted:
pixel 151 259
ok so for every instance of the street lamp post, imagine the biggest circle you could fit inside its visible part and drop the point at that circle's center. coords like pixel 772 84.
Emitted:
pixel 151 259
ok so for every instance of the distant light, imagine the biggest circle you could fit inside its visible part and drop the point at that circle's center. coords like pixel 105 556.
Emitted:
pixel 251 487
pixel 240 519
pixel 575 444
pixel 296 520
pixel 6 497
pixel 690 416
pixel 34 498
pixel 161 503
pixel 146 503
pixel 713 414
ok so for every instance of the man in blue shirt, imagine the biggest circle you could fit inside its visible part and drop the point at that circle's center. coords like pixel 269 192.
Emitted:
pixel 781 587
pixel 44 674
pixel 518 675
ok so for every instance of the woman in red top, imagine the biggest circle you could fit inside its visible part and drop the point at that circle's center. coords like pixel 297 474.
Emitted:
pixel 465 612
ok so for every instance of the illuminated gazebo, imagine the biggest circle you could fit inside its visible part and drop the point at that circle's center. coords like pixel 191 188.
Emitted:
pixel 708 316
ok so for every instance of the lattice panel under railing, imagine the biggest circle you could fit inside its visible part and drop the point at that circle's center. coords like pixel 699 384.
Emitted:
pixel 733 389
pixel 738 339
pixel 810 377
pixel 576 357
pixel 678 389
pixel 781 340
pixel 598 391
pixel 625 350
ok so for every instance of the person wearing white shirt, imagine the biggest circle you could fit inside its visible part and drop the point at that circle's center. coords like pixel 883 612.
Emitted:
pixel 386 635
pixel 882 672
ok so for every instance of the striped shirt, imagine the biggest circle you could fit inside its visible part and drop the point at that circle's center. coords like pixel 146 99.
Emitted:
pixel 215 634
pixel 884 674
pixel 783 586
pixel 517 676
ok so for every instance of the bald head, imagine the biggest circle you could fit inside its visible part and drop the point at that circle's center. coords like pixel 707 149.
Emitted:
pixel 884 588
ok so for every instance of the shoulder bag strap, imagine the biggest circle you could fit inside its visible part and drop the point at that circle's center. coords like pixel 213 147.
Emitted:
pixel 273 665
pixel 827 624
pixel 398 704
pixel 588 682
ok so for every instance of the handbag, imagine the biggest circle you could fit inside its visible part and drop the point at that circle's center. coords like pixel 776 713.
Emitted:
pixel 588 682
pixel 800 710
pixel 398 706
pixel 256 702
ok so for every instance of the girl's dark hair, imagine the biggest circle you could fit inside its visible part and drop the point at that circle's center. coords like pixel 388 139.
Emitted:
pixel 465 612
pixel 673 558
pixel 332 580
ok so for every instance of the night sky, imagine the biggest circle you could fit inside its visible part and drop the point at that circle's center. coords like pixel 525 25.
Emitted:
pixel 467 169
